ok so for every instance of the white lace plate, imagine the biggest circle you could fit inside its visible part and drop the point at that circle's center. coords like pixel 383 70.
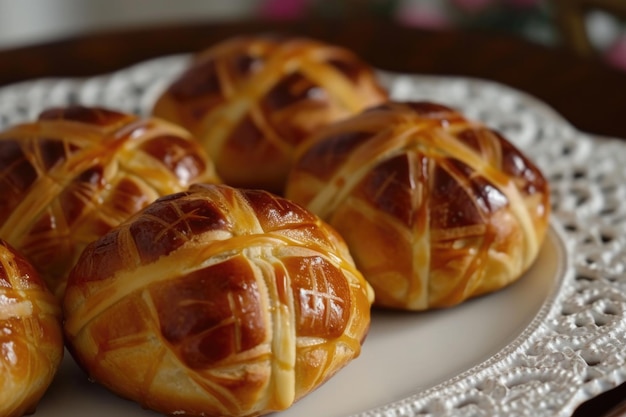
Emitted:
pixel 538 348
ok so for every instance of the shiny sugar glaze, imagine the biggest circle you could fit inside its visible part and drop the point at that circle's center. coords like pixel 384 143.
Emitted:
pixel 243 292
pixel 252 100
pixel 435 208
pixel 75 172
pixel 31 341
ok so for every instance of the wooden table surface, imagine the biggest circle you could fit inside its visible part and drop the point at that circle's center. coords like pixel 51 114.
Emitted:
pixel 590 95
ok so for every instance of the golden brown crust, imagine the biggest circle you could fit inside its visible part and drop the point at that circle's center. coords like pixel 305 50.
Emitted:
pixel 218 302
pixel 74 173
pixel 252 100
pixel 31 340
pixel 434 207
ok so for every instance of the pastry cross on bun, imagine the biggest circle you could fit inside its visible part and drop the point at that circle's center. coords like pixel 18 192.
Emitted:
pixel 252 99
pixel 75 172
pixel 216 302
pixel 435 208
pixel 31 339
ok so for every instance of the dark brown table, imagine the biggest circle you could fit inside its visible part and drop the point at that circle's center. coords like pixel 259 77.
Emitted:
pixel 590 95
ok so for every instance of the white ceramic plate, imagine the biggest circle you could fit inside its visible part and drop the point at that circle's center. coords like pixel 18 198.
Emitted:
pixel 537 348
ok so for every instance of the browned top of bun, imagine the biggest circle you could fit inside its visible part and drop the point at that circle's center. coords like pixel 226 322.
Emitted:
pixel 231 290
pixel 69 176
pixel 252 99
pixel 433 194
pixel 31 340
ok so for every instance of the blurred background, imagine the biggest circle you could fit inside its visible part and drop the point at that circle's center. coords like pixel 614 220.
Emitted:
pixel 24 22
pixel 552 22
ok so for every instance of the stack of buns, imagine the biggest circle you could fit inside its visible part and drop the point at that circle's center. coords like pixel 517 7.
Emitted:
pixel 221 256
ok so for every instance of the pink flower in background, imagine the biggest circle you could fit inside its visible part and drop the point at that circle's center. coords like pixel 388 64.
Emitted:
pixel 283 9
pixel 616 53
pixel 441 14
pixel 422 15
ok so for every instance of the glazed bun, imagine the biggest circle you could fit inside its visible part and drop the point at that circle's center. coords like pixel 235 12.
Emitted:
pixel 31 339
pixel 252 99
pixel 216 302
pixel 435 208
pixel 75 172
